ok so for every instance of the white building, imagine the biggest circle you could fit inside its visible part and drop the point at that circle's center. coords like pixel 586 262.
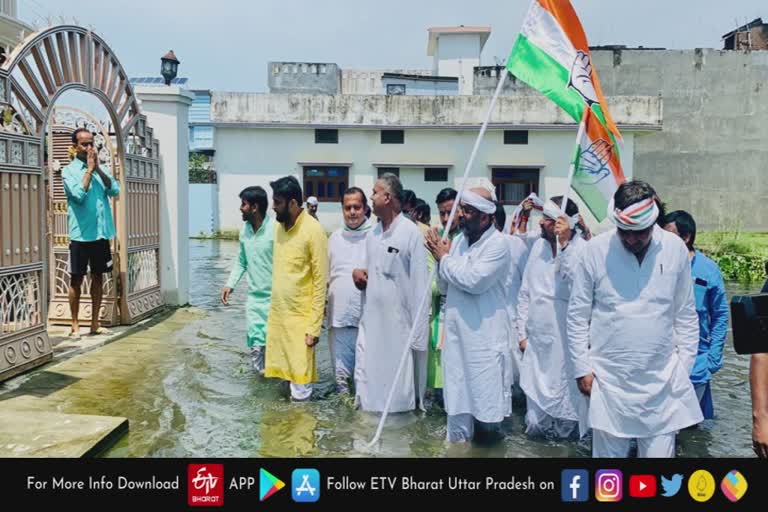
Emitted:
pixel 335 129
pixel 12 29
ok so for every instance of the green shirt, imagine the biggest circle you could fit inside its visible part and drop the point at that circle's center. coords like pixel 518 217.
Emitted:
pixel 89 213
pixel 255 261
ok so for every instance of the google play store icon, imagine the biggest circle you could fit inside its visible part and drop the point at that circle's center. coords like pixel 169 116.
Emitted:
pixel 269 484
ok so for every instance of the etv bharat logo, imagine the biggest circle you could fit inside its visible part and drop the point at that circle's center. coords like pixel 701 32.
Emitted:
pixel 205 485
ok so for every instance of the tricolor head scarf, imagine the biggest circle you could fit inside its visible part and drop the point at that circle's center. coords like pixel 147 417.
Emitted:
pixel 478 202
pixel 635 217
pixel 552 211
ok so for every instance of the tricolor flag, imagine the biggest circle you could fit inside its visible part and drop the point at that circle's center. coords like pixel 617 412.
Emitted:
pixel 551 54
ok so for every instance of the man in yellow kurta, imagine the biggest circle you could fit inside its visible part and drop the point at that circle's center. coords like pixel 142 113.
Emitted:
pixel 299 277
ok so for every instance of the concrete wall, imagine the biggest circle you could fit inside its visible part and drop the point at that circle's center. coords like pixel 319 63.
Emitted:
pixel 204 212
pixel 368 81
pixel 457 55
pixel 255 156
pixel 712 156
pixel 486 79
pixel 303 78
pixel 415 87
pixel 412 111
pixel 167 111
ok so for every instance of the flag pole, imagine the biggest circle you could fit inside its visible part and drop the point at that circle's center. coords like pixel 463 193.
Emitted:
pixel 428 291
pixel 575 160
pixel 572 168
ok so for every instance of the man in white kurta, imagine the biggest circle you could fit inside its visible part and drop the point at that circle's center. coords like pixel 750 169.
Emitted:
pixel 633 330
pixel 395 281
pixel 518 257
pixel 472 274
pixel 346 252
pixel 553 400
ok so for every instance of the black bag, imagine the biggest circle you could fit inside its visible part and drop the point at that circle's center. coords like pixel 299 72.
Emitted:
pixel 749 317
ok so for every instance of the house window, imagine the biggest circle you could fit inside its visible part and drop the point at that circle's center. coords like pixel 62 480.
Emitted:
pixel 515 136
pixel 392 136
pixel 436 174
pixel 326 136
pixel 514 185
pixel 395 89
pixel 392 170
pixel 328 184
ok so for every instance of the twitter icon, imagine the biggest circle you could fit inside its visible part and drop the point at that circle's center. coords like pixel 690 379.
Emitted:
pixel 671 486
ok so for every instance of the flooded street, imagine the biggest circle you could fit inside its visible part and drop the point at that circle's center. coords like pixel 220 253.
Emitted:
pixel 198 397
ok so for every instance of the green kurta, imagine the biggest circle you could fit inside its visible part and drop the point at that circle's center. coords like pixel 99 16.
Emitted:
pixel 255 260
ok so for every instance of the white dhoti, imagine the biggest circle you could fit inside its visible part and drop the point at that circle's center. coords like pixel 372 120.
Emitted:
pixel 342 342
pixel 605 445
pixel 539 423
pixel 301 392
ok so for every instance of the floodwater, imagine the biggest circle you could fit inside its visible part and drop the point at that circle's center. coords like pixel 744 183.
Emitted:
pixel 198 397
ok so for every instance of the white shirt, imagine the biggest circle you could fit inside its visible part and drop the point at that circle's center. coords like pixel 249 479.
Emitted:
pixel 346 252
pixel 477 327
pixel 634 325
pixel 396 260
pixel 545 374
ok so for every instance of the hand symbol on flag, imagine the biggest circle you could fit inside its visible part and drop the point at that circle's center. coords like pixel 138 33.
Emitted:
pixel 593 164
pixel 581 78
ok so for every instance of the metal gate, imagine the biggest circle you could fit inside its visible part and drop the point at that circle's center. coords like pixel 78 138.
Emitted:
pixel 36 73
pixel 62 123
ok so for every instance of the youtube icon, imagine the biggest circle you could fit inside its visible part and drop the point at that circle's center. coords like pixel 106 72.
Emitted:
pixel 642 486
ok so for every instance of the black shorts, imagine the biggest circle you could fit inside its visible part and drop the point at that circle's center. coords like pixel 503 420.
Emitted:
pixel 94 257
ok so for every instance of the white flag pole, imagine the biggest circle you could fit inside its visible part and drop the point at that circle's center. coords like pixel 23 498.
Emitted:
pixel 574 161
pixel 428 291
pixel 572 168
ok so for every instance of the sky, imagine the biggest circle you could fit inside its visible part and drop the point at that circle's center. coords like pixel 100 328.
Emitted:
pixel 226 44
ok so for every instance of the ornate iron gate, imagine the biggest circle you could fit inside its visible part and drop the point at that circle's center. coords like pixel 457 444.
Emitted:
pixel 33 77
pixel 141 252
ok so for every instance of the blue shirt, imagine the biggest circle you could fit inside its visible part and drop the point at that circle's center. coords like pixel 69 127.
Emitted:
pixel 712 308
pixel 89 213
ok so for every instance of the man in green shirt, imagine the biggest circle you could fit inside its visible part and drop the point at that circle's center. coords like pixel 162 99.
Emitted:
pixel 255 261
pixel 444 202
pixel 88 190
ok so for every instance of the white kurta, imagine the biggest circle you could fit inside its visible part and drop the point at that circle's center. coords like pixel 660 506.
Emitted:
pixel 635 327
pixel 518 256
pixel 477 328
pixel 546 376
pixel 530 237
pixel 346 252
pixel 396 260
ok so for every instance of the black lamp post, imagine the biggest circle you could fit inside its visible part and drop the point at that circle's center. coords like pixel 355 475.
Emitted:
pixel 169 67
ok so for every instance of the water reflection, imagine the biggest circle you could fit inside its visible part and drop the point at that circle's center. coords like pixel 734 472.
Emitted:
pixel 201 399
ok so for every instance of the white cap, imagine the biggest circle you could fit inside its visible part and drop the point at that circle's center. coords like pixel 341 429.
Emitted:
pixel 312 200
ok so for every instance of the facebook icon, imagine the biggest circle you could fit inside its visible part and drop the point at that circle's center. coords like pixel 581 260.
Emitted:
pixel 574 485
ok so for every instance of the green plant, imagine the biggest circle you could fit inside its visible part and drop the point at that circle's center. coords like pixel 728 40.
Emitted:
pixel 199 171
pixel 227 234
pixel 740 267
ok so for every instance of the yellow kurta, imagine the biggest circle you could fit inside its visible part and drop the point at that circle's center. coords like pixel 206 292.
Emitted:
pixel 299 277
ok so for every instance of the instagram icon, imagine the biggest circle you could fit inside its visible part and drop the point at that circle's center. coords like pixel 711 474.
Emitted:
pixel 609 485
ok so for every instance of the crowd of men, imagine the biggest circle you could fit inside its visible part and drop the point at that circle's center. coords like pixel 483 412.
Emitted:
pixel 618 334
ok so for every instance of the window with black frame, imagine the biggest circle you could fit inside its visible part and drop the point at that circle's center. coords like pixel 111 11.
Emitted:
pixel 327 183
pixel 513 185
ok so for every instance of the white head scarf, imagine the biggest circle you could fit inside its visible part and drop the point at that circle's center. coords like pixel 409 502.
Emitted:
pixel 477 201
pixel 551 210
